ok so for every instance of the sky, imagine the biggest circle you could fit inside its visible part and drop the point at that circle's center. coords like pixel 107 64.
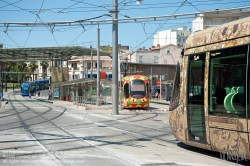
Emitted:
pixel 135 33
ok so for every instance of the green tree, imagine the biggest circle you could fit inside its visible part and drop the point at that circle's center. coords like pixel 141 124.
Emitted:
pixel 22 67
pixel 32 67
pixel 10 66
pixel 44 65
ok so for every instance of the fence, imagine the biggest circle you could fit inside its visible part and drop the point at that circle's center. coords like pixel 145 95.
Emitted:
pixel 89 100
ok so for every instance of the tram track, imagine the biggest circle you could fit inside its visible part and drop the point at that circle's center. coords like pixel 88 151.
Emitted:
pixel 123 120
pixel 72 136
pixel 30 133
pixel 69 135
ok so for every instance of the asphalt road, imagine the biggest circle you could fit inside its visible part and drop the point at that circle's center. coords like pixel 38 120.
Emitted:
pixel 40 133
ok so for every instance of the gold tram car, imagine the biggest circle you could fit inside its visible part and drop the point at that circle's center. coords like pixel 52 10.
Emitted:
pixel 135 91
pixel 210 100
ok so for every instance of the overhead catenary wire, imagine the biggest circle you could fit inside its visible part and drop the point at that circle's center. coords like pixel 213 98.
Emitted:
pixel 33 26
pixel 135 19
pixel 10 4
pixel 72 25
pixel 158 27
pixel 151 6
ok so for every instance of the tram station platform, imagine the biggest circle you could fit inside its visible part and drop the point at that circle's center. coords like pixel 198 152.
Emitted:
pixel 87 106
pixel 90 106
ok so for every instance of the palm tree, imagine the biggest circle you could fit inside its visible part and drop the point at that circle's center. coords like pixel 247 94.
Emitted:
pixel 12 67
pixel 33 66
pixel 44 65
pixel 22 67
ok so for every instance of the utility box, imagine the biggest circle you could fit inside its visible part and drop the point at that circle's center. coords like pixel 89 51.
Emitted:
pixel 67 97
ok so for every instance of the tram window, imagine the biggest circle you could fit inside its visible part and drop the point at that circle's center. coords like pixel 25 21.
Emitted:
pixel 42 86
pixel 137 88
pixel 248 90
pixel 195 96
pixel 176 90
pixel 227 78
pixel 37 86
pixel 25 89
pixel 126 90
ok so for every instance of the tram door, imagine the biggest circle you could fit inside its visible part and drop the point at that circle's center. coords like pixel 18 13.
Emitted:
pixel 195 102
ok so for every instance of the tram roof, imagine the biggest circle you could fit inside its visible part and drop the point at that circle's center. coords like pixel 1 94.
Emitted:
pixel 226 35
pixel 46 53
pixel 75 82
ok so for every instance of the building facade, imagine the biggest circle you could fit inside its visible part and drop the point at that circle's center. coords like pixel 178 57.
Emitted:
pixel 214 18
pixel 80 67
pixel 168 54
pixel 176 37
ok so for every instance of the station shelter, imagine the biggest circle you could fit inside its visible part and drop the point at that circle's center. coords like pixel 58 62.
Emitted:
pixel 168 88
pixel 66 90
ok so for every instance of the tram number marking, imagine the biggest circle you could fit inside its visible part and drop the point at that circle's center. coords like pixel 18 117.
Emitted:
pixel 196 57
pixel 197 138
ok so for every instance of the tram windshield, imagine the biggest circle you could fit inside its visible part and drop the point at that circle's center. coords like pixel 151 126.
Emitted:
pixel 25 89
pixel 138 89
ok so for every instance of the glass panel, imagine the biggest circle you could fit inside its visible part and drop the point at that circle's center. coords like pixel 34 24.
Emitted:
pixel 175 96
pixel 42 86
pixel 126 90
pixel 25 88
pixel 155 59
pixel 137 89
pixel 227 79
pixel 248 89
pixel 196 117
pixel 140 59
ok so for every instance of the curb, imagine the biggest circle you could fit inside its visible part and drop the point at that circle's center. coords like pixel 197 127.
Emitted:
pixel 97 108
pixel 148 110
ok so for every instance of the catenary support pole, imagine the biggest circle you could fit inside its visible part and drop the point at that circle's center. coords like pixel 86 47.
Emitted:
pixel 151 84
pixel 115 95
pixel 5 81
pixel 160 88
pixel 98 66
pixel 83 66
pixel 91 74
pixel 1 80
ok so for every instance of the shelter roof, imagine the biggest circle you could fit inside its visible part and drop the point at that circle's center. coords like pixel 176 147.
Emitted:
pixel 75 82
pixel 46 53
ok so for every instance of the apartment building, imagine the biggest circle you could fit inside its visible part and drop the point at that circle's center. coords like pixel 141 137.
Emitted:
pixel 176 37
pixel 81 67
pixel 168 54
pixel 214 18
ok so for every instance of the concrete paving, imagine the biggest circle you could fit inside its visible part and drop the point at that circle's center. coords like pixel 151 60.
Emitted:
pixel 65 133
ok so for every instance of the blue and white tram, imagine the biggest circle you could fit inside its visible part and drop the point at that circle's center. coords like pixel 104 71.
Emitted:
pixel 34 86
pixel 25 89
